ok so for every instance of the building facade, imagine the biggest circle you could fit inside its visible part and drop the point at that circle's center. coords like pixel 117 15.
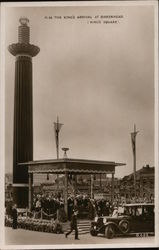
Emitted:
pixel 144 185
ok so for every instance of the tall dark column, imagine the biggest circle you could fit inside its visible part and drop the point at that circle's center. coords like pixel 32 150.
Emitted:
pixel 23 111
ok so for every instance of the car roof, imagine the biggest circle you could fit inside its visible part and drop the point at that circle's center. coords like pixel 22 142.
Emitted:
pixel 138 204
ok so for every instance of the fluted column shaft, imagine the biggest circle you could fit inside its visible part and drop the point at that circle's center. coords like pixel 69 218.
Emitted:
pixel 23 111
pixel 23 118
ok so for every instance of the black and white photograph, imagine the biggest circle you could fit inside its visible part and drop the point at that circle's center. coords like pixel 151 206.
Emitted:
pixel 79 131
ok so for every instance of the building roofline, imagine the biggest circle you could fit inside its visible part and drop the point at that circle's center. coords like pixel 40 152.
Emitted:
pixel 70 160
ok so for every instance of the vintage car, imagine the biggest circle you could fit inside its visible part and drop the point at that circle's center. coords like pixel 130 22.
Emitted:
pixel 130 219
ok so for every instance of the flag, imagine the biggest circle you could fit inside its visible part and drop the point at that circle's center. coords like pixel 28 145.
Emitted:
pixel 57 127
pixel 133 141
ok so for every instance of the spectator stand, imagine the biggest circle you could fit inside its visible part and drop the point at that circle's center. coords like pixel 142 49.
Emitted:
pixel 69 167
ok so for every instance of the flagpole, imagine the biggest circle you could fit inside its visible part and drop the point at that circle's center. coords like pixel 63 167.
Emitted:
pixel 57 149
pixel 57 138
pixel 57 127
pixel 133 138
pixel 135 161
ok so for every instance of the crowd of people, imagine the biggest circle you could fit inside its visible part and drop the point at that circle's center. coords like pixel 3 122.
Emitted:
pixel 86 206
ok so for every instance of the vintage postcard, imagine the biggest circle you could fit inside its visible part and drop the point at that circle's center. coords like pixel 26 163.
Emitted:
pixel 79 124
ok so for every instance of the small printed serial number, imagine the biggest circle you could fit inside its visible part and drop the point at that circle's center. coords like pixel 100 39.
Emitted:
pixel 142 235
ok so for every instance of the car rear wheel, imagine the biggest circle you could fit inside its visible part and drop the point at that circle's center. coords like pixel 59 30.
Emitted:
pixel 124 226
pixel 109 231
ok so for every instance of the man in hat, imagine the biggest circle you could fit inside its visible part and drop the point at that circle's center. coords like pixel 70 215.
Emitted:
pixel 73 225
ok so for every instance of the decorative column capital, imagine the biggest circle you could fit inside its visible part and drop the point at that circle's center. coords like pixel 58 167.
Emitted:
pixel 23 48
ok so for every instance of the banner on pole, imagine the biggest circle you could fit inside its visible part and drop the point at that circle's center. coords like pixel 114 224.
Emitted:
pixel 57 127
pixel 133 141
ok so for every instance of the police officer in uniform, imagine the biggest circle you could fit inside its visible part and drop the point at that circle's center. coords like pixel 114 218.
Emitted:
pixel 73 225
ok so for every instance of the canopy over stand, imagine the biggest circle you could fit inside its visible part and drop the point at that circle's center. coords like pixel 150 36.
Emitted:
pixel 69 166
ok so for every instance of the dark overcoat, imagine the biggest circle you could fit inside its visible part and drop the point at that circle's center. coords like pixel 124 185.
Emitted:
pixel 73 222
pixel 14 216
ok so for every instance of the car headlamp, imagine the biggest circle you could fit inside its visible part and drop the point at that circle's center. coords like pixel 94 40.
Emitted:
pixel 104 220
pixel 96 219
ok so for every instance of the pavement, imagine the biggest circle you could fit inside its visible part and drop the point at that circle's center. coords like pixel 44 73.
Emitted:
pixel 26 237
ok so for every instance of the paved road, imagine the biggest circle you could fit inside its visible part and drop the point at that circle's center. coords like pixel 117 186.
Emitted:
pixel 26 237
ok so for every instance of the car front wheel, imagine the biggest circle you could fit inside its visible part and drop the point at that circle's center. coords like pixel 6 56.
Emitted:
pixel 93 232
pixel 109 231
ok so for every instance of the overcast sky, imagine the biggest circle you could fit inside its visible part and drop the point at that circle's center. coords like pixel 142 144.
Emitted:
pixel 98 78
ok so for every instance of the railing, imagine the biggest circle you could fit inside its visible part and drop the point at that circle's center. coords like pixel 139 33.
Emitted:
pixel 40 214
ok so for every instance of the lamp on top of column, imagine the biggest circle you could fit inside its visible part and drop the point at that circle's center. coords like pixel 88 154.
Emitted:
pixel 65 152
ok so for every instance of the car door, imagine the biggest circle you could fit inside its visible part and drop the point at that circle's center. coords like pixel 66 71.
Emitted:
pixel 136 220
pixel 142 220
pixel 148 218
